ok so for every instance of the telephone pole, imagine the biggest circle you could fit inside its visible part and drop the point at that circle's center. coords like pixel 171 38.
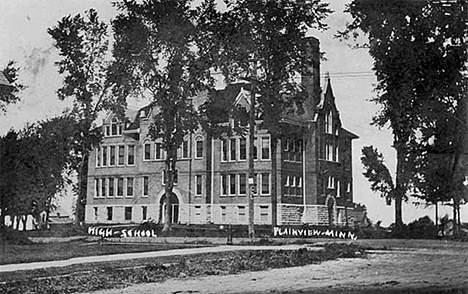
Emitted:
pixel 251 180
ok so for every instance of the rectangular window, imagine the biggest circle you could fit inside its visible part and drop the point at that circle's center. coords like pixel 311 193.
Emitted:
pixel 338 188
pixel 96 188
pixel 265 148
pixel 145 186
pixel 292 190
pixel 265 183
pixel 159 151
pixel 348 188
pixel 224 152
pixel 98 156
pixel 286 145
pixel 109 213
pixel 147 155
pixel 224 184
pixel 199 149
pixel 131 155
pixel 241 213
pixel 232 150
pixel 95 213
pixel 256 183
pixel 111 187
pixel 103 188
pixel 299 186
pixel 185 149
pixel 128 213
pixel 120 182
pixel 223 214
pixel 112 156
pixel 242 149
pixel 129 187
pixel 107 131
pixel 198 185
pixel 242 184
pixel 299 151
pixel 255 151
pixel 144 212
pixel 329 123
pixel 232 184
pixel 331 183
pixel 264 214
pixel 291 150
pixel 286 186
pixel 114 128
pixel 121 160
pixel 337 154
pixel 104 156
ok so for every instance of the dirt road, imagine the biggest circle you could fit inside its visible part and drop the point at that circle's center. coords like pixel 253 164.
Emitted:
pixel 431 269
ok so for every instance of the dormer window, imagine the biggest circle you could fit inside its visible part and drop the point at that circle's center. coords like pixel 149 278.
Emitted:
pixel 115 127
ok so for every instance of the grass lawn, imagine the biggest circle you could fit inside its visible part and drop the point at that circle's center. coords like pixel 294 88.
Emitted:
pixel 119 274
pixel 58 251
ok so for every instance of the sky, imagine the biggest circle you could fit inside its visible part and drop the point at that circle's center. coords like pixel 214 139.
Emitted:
pixel 24 38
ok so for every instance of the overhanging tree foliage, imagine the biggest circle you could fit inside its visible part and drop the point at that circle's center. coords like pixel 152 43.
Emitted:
pixel 161 53
pixel 419 54
pixel 263 43
pixel 9 86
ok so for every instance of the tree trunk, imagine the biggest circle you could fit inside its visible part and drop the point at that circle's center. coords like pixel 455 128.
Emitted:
pixel 274 184
pixel 169 184
pixel 400 189
pixel 82 189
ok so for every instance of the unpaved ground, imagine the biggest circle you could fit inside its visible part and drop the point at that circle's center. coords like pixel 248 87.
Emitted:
pixel 433 268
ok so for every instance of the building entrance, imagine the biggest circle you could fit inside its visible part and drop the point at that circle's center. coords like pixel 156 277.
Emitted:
pixel 173 212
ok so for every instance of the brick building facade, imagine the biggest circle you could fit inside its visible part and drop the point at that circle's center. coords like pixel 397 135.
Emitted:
pixel 314 169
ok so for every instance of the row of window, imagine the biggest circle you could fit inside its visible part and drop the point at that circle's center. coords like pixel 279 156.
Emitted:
pixel 292 150
pixel 236 184
pixel 235 149
pixel 335 184
pixel 118 187
pixel 124 186
pixel 232 150
pixel 155 151
pixel 115 155
pixel 128 213
pixel 113 129
pixel 293 186
pixel 241 213
pixel 331 153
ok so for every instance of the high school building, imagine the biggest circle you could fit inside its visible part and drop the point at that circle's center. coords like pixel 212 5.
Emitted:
pixel 314 169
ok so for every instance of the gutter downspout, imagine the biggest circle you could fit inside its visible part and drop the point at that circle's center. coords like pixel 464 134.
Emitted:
pixel 303 177
pixel 212 180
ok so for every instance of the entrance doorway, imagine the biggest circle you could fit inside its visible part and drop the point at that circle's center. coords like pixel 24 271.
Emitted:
pixel 331 211
pixel 173 212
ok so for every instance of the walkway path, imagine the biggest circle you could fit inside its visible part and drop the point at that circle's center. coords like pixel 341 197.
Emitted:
pixel 127 256
pixel 427 271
